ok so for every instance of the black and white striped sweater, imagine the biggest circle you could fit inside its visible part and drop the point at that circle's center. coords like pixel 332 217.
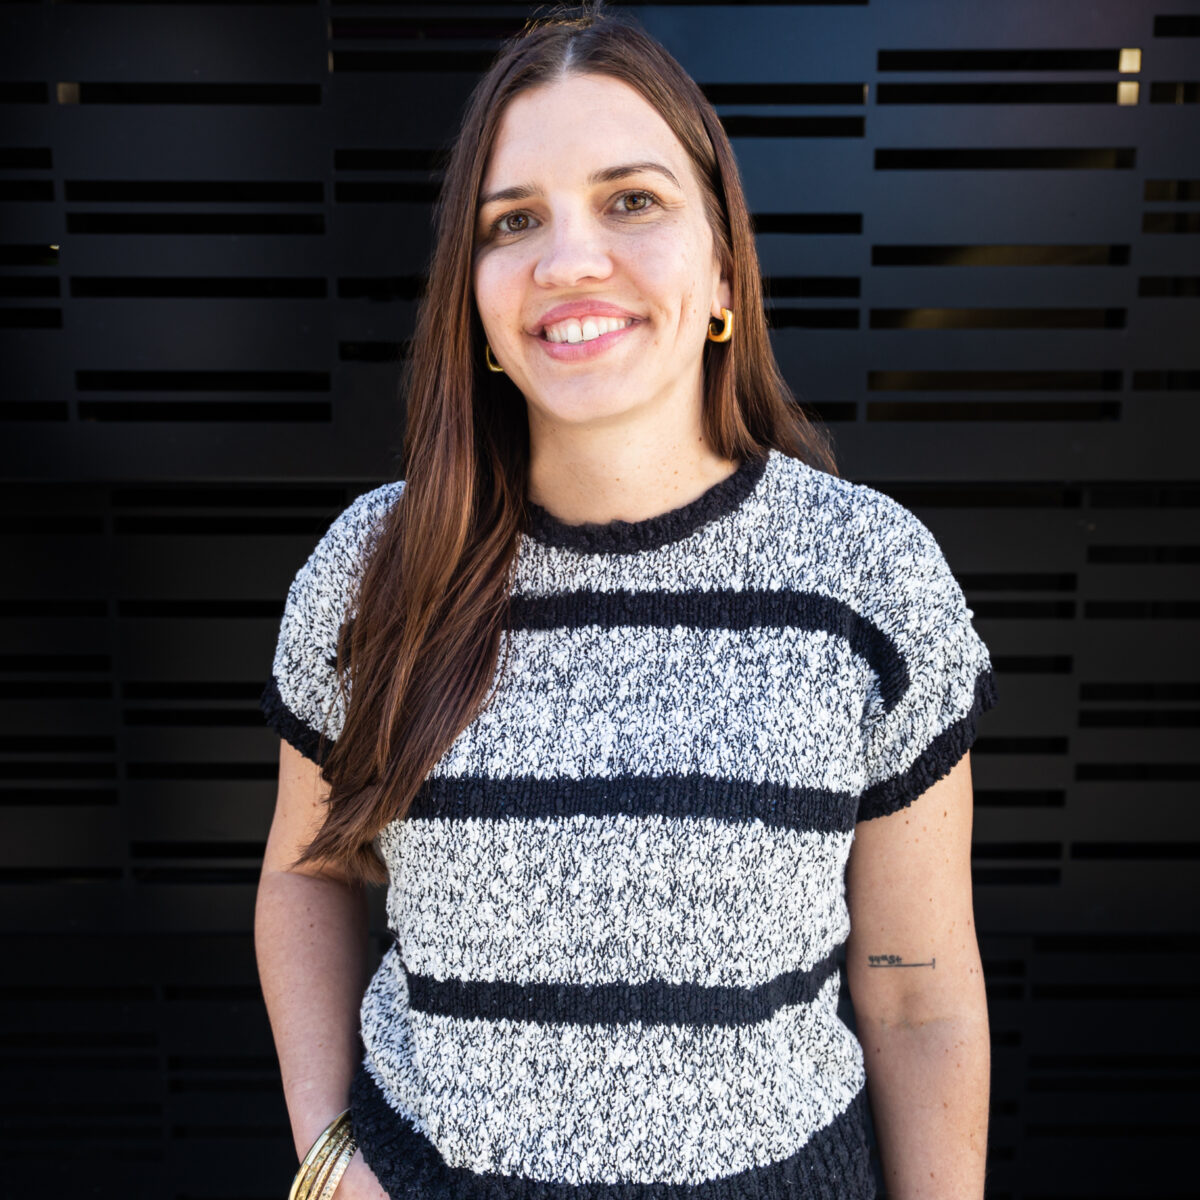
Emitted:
pixel 618 898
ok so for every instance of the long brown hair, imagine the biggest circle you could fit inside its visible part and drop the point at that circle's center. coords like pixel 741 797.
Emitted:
pixel 418 661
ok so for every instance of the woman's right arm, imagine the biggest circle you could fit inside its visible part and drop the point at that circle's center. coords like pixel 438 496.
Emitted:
pixel 310 937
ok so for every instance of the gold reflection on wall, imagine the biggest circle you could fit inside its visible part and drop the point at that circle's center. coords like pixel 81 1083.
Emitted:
pixel 1130 62
pixel 1127 92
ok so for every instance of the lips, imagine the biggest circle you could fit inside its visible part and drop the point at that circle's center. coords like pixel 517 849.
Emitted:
pixel 577 310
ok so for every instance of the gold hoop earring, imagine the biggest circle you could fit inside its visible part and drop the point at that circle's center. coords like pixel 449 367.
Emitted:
pixel 725 332
pixel 489 358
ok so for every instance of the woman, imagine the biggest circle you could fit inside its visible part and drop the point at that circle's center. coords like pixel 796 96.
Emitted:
pixel 607 689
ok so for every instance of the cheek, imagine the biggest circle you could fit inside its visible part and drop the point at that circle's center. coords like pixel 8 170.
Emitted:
pixel 679 270
pixel 671 276
pixel 491 295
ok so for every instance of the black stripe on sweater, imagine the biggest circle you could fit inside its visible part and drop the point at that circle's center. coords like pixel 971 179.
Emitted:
pixel 654 1002
pixel 672 796
pixel 834 1164
pixel 723 608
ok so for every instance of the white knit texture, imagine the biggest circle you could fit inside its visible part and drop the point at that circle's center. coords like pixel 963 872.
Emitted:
pixel 591 701
pixel 807 657
pixel 596 899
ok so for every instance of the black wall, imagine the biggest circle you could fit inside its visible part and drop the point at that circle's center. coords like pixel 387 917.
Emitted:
pixel 981 227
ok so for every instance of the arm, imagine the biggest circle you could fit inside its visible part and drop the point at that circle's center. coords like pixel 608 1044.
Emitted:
pixel 924 1029
pixel 310 936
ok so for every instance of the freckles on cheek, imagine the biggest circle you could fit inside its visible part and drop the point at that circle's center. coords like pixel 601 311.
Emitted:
pixel 689 313
pixel 489 312
pixel 495 300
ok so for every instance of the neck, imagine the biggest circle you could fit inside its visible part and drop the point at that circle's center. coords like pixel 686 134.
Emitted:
pixel 594 475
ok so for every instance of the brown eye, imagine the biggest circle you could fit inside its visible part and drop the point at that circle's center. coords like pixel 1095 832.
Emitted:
pixel 513 223
pixel 636 202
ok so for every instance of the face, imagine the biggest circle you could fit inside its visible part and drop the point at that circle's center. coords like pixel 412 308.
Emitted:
pixel 595 269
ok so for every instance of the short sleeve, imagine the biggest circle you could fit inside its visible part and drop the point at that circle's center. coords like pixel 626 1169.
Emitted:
pixel 302 701
pixel 935 675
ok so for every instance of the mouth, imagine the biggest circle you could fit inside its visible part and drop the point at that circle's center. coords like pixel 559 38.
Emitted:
pixel 583 329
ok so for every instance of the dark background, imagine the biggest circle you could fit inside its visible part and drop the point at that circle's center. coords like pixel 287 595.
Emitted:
pixel 981 228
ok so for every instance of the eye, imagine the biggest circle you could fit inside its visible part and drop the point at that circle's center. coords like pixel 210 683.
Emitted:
pixel 513 222
pixel 636 202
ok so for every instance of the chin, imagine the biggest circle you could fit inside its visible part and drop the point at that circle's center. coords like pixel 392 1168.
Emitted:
pixel 584 414
pixel 578 406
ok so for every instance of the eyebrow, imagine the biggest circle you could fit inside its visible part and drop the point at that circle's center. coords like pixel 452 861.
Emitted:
pixel 523 191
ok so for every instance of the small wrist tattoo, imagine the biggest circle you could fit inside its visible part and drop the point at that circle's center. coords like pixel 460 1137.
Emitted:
pixel 894 960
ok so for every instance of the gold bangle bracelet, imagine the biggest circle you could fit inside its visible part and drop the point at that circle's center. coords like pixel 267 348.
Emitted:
pixel 316 1156
pixel 308 1172
pixel 340 1164
pixel 311 1180
pixel 316 1163
pixel 336 1148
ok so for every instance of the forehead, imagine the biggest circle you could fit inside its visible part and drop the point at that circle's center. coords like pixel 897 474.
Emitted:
pixel 560 132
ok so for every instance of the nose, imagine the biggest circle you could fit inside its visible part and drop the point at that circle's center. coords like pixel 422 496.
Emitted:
pixel 574 251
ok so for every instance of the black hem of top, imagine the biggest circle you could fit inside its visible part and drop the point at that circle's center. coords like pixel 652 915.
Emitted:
pixel 834 1164
pixel 937 760
pixel 631 537
pixel 291 728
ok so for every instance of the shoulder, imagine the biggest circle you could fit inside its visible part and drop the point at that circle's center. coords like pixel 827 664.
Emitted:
pixel 860 538
pixel 354 529
pixel 892 544
pixel 302 700
pixel 323 585
pixel 835 498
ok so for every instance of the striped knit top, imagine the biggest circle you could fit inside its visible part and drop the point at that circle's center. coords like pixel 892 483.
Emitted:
pixel 617 901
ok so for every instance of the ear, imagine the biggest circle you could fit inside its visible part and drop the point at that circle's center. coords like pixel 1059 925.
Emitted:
pixel 722 294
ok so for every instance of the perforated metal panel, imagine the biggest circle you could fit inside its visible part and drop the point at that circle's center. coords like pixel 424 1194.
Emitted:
pixel 980 226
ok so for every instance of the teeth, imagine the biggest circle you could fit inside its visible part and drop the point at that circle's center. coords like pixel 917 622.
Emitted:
pixel 590 328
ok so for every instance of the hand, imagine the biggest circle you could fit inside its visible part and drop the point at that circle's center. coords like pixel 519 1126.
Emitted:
pixel 359 1182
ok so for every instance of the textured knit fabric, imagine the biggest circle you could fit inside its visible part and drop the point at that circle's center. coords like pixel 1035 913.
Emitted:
pixel 618 898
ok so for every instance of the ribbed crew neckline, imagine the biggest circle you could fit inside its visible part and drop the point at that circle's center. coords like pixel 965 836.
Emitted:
pixel 630 537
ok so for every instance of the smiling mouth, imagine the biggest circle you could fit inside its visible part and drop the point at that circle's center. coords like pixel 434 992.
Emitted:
pixel 586 330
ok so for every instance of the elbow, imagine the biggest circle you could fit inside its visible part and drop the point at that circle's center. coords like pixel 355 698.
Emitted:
pixel 920 1005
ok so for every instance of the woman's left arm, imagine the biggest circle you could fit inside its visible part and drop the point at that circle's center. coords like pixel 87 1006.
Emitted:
pixel 917 986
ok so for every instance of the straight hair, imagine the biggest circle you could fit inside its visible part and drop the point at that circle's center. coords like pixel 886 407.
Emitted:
pixel 419 660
